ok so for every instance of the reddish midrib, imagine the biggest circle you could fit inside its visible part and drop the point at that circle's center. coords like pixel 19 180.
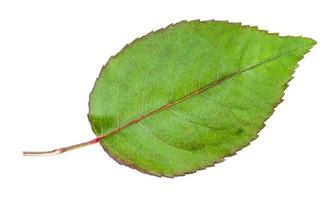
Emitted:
pixel 164 107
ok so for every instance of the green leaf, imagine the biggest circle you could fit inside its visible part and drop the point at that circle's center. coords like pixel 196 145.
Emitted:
pixel 182 98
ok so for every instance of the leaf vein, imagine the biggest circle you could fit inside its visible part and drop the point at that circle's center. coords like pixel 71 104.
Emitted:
pixel 217 82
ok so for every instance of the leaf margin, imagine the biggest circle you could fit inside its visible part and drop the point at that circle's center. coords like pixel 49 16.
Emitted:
pixel 275 104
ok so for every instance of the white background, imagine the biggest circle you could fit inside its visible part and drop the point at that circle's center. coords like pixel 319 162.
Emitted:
pixel 52 52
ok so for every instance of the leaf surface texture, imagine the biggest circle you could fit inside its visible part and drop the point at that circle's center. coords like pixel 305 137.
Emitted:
pixel 182 98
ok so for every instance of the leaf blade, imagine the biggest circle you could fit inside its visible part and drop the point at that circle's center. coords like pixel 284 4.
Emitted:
pixel 186 60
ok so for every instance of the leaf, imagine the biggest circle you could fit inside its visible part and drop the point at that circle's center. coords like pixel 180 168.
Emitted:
pixel 182 98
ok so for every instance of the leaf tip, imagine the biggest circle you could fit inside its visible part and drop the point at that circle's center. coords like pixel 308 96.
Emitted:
pixel 309 42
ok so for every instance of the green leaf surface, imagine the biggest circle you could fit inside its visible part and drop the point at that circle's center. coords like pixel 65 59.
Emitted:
pixel 185 97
